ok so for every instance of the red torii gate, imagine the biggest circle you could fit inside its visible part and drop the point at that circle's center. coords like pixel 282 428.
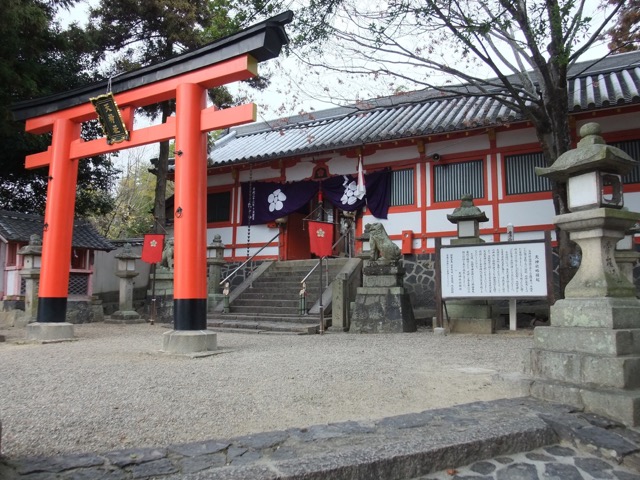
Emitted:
pixel 185 78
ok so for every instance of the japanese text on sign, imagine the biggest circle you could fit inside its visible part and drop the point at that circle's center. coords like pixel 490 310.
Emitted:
pixel 502 270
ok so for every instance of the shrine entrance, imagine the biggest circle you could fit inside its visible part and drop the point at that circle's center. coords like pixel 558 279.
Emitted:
pixel 184 78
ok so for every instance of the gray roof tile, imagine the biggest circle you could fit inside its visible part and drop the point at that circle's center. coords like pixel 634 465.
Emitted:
pixel 18 227
pixel 614 80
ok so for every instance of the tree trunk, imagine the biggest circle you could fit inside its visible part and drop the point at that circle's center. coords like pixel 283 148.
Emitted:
pixel 159 207
pixel 555 139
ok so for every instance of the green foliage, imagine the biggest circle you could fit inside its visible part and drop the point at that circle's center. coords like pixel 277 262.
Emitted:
pixel 38 58
pixel 134 195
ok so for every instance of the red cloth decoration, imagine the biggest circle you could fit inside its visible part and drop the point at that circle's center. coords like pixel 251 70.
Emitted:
pixel 321 238
pixel 152 248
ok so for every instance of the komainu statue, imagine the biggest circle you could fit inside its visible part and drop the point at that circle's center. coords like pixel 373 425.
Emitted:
pixel 382 248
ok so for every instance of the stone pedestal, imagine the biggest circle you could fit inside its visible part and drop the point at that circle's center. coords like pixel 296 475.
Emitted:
pixel 470 316
pixel 163 279
pixel 189 342
pixel 590 355
pixel 50 332
pixel 382 304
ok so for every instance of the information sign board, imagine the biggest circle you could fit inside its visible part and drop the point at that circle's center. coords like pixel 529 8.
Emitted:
pixel 494 270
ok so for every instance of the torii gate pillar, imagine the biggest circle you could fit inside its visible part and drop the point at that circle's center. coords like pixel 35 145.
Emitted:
pixel 185 78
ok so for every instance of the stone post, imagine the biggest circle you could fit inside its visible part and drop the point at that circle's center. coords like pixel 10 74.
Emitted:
pixel 626 255
pixel 126 270
pixel 469 316
pixel 589 357
pixel 215 260
pixel 31 273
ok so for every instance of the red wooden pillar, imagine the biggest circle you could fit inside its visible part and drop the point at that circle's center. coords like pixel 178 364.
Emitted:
pixel 190 215
pixel 58 224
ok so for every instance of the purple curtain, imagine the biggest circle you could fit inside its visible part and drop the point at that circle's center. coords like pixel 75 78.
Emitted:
pixel 275 200
pixel 341 190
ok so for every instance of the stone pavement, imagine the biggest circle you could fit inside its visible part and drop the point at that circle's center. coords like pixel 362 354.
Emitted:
pixel 510 439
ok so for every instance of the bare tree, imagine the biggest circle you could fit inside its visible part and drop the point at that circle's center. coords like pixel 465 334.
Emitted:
pixel 516 51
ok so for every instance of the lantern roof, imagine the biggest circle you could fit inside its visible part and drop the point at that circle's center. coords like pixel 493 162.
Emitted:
pixel 467 211
pixel 592 153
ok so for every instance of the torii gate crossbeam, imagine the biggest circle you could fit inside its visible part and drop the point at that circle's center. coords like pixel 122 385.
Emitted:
pixel 185 78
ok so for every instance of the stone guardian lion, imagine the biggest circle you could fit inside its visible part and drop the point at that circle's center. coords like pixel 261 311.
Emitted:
pixel 382 248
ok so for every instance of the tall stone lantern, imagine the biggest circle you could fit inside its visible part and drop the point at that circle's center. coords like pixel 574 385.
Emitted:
pixel 215 260
pixel 126 270
pixel 589 356
pixel 469 316
pixel 30 271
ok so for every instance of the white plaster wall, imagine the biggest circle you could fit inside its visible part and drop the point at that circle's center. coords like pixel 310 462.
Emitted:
pixel 299 171
pixel 397 222
pixel 226 234
pixel 517 137
pixel 219 180
pixel 448 148
pixel 259 234
pixel 260 174
pixel 632 201
pixel 341 165
pixel 538 212
pixel 104 271
pixel 267 252
pixel 524 236
pixel 392 155
pixel 614 123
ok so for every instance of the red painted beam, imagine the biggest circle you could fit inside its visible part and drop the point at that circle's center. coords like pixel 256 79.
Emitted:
pixel 238 68
pixel 211 119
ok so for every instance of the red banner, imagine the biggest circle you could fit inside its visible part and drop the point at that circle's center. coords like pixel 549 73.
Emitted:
pixel 152 248
pixel 321 238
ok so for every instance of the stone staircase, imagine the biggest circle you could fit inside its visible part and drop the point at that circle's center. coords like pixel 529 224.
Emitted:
pixel 271 304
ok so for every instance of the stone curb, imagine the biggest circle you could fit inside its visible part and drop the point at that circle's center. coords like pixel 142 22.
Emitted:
pixel 400 447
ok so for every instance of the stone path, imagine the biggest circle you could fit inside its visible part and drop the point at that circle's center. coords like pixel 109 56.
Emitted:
pixel 511 439
pixel 561 462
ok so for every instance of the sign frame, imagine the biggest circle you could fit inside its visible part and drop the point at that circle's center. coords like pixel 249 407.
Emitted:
pixel 445 274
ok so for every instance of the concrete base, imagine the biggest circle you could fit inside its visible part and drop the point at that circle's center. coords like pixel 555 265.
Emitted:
pixel 125 316
pixel 620 405
pixel 472 325
pixel 382 310
pixel 186 342
pixel 590 357
pixel 50 332
pixel 382 305
pixel 470 316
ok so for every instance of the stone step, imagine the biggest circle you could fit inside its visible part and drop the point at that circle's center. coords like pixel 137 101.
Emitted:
pixel 270 301
pixel 262 326
pixel 280 318
pixel 257 310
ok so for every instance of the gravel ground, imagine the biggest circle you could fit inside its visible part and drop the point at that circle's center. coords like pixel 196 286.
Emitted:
pixel 112 388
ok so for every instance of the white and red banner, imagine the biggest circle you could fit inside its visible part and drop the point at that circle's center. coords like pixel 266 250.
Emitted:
pixel 320 238
pixel 152 248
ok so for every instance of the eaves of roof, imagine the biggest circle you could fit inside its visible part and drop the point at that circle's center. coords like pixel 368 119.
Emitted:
pixel 18 227
pixel 614 80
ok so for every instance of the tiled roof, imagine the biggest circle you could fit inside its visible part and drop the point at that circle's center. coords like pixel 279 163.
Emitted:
pixel 614 80
pixel 18 227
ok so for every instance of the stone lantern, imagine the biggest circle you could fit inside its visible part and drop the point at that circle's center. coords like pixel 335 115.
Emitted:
pixel 472 315
pixel 126 270
pixel 588 356
pixel 30 271
pixel 467 217
pixel 215 260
